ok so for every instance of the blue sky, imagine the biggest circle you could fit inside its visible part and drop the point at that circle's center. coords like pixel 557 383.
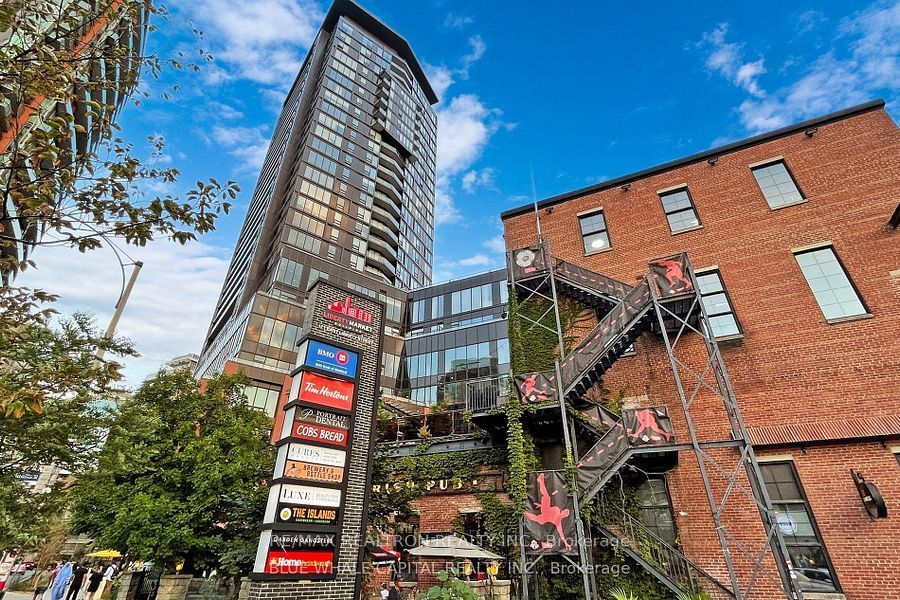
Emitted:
pixel 575 91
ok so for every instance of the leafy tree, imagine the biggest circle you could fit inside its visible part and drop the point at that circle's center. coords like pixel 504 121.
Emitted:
pixel 54 370
pixel 66 177
pixel 182 476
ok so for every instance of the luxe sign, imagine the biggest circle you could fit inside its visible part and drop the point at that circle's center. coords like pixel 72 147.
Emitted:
pixel 324 454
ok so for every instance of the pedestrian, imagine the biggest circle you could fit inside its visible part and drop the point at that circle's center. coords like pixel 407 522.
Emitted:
pixel 384 590
pixel 94 579
pixel 396 592
pixel 58 587
pixel 107 579
pixel 77 580
pixel 42 580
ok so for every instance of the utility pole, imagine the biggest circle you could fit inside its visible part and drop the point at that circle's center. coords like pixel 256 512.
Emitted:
pixel 120 307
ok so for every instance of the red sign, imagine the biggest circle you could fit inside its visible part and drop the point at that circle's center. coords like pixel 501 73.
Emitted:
pixel 346 308
pixel 324 391
pixel 300 562
pixel 319 433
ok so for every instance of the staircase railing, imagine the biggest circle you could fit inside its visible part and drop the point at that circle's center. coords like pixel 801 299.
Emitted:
pixel 686 575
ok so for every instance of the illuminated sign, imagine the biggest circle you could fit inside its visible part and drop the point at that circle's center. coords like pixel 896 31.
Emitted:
pixel 305 494
pixel 317 455
pixel 318 433
pixel 307 515
pixel 292 540
pixel 321 473
pixel 322 417
pixel 331 358
pixel 300 562
pixel 325 391
pixel 348 316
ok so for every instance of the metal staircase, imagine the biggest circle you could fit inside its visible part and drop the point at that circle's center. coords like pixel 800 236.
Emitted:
pixel 668 303
pixel 666 563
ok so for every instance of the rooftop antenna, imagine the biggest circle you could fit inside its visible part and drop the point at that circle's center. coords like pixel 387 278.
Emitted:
pixel 537 214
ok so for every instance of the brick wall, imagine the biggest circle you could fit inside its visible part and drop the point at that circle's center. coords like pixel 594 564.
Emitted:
pixel 791 368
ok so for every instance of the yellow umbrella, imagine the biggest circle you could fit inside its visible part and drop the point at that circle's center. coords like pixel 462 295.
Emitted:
pixel 104 554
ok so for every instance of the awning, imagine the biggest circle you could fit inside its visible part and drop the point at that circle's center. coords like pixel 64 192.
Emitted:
pixel 381 555
pixel 450 546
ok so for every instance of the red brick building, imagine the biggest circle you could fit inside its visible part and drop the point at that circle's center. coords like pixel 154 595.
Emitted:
pixel 792 239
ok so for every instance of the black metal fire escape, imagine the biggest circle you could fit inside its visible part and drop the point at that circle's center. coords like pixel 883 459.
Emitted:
pixel 666 302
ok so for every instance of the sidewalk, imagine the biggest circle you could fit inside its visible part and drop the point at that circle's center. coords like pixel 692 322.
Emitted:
pixel 18 596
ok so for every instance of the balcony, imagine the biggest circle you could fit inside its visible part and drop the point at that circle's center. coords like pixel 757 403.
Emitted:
pixel 386 218
pixel 388 204
pixel 383 247
pixel 390 176
pixel 443 431
pixel 384 159
pixel 388 188
pixel 380 262
pixel 381 230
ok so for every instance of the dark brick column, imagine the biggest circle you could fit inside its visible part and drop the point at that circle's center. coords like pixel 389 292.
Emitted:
pixel 348 575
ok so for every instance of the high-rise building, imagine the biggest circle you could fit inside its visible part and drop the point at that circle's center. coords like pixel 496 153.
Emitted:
pixel 346 193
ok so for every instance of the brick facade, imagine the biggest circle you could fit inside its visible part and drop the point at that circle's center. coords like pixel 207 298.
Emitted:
pixel 824 394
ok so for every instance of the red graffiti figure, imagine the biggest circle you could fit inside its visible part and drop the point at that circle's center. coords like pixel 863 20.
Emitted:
pixel 675 275
pixel 549 513
pixel 530 391
pixel 647 421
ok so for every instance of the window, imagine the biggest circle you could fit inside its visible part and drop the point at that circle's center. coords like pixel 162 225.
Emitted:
pixel 417 310
pixel 289 272
pixel 262 399
pixel 593 232
pixel 655 510
pixel 437 307
pixel 777 184
pixel 471 299
pixel 797 525
pixel 425 395
pixel 680 211
pixel 717 304
pixel 422 365
pixel 828 280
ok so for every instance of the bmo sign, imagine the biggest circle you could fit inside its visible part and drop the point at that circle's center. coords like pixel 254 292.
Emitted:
pixel 323 464
pixel 332 359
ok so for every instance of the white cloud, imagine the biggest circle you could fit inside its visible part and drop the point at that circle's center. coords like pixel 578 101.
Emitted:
pixel 248 144
pixel 440 78
pixel 169 309
pixel 464 128
pixel 454 21
pixel 478 48
pixel 726 58
pixel 445 210
pixel 478 260
pixel 261 40
pixel 475 179
pixel 496 244
pixel 833 80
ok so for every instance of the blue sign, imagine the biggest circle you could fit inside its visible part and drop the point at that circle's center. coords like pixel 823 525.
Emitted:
pixel 331 359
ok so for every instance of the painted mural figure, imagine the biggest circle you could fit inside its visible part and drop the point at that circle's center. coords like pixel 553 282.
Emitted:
pixel 647 421
pixel 530 391
pixel 549 513
pixel 675 275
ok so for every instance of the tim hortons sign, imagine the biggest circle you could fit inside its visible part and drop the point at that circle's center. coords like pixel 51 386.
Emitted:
pixel 324 391
pixel 343 313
